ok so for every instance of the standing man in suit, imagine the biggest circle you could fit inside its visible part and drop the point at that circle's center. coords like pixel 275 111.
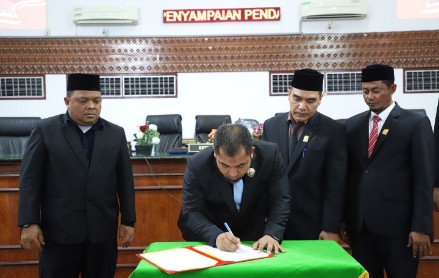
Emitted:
pixel 75 179
pixel 314 146
pixel 239 182
pixel 390 180
pixel 436 140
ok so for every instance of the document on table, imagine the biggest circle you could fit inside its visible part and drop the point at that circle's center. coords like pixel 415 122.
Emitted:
pixel 244 253
pixel 199 257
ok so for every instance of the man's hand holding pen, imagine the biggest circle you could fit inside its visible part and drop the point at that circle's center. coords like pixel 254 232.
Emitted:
pixel 227 242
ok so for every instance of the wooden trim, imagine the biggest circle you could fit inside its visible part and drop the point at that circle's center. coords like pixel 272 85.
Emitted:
pixel 20 263
pixel 144 55
pixel 168 187
pixel 10 168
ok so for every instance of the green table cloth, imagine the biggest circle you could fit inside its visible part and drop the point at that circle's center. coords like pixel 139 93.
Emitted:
pixel 302 258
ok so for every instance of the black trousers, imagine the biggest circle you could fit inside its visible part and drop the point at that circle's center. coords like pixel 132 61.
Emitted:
pixel 379 253
pixel 91 260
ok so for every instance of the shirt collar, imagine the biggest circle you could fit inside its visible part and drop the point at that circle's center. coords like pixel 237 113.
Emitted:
pixel 68 121
pixel 292 121
pixel 384 114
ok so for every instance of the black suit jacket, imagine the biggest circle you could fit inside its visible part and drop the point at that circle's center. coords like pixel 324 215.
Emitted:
pixel 316 171
pixel 70 199
pixel 208 198
pixel 436 140
pixel 391 193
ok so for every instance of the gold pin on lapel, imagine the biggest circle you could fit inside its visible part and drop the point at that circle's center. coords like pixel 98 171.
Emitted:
pixel 305 138
pixel 385 131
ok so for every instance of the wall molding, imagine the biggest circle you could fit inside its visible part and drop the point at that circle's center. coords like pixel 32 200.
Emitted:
pixel 145 55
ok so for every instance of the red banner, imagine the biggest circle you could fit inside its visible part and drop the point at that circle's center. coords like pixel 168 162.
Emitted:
pixel 221 15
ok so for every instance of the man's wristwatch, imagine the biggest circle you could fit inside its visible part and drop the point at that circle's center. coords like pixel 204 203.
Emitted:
pixel 25 226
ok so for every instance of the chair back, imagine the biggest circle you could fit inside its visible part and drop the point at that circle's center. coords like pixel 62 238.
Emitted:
pixel 14 134
pixel 169 126
pixel 205 123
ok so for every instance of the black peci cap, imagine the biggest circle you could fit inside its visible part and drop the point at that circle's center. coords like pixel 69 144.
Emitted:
pixel 308 80
pixel 85 82
pixel 377 72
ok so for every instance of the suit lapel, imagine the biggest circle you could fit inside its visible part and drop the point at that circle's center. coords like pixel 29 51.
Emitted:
pixel 390 123
pixel 74 142
pixel 226 191
pixel 98 147
pixel 283 137
pixel 249 185
pixel 364 135
pixel 307 135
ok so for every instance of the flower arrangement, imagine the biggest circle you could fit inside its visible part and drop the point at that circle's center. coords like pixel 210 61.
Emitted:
pixel 147 135
pixel 257 132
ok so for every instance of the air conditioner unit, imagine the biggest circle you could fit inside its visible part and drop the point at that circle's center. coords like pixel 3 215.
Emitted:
pixel 333 9
pixel 103 15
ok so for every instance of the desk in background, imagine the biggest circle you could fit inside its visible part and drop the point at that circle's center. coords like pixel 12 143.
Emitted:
pixel 307 258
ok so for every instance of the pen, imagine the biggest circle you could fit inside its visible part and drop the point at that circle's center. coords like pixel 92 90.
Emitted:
pixel 304 152
pixel 230 231
pixel 228 228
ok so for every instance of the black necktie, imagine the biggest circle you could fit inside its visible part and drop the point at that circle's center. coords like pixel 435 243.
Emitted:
pixel 293 138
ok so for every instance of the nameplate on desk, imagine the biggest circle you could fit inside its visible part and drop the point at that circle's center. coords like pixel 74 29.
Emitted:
pixel 194 148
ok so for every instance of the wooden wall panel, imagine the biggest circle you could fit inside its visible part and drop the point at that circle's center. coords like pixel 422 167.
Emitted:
pixel 8 218
pixel 429 268
pixel 157 213
pixel 143 55
pixel 14 271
